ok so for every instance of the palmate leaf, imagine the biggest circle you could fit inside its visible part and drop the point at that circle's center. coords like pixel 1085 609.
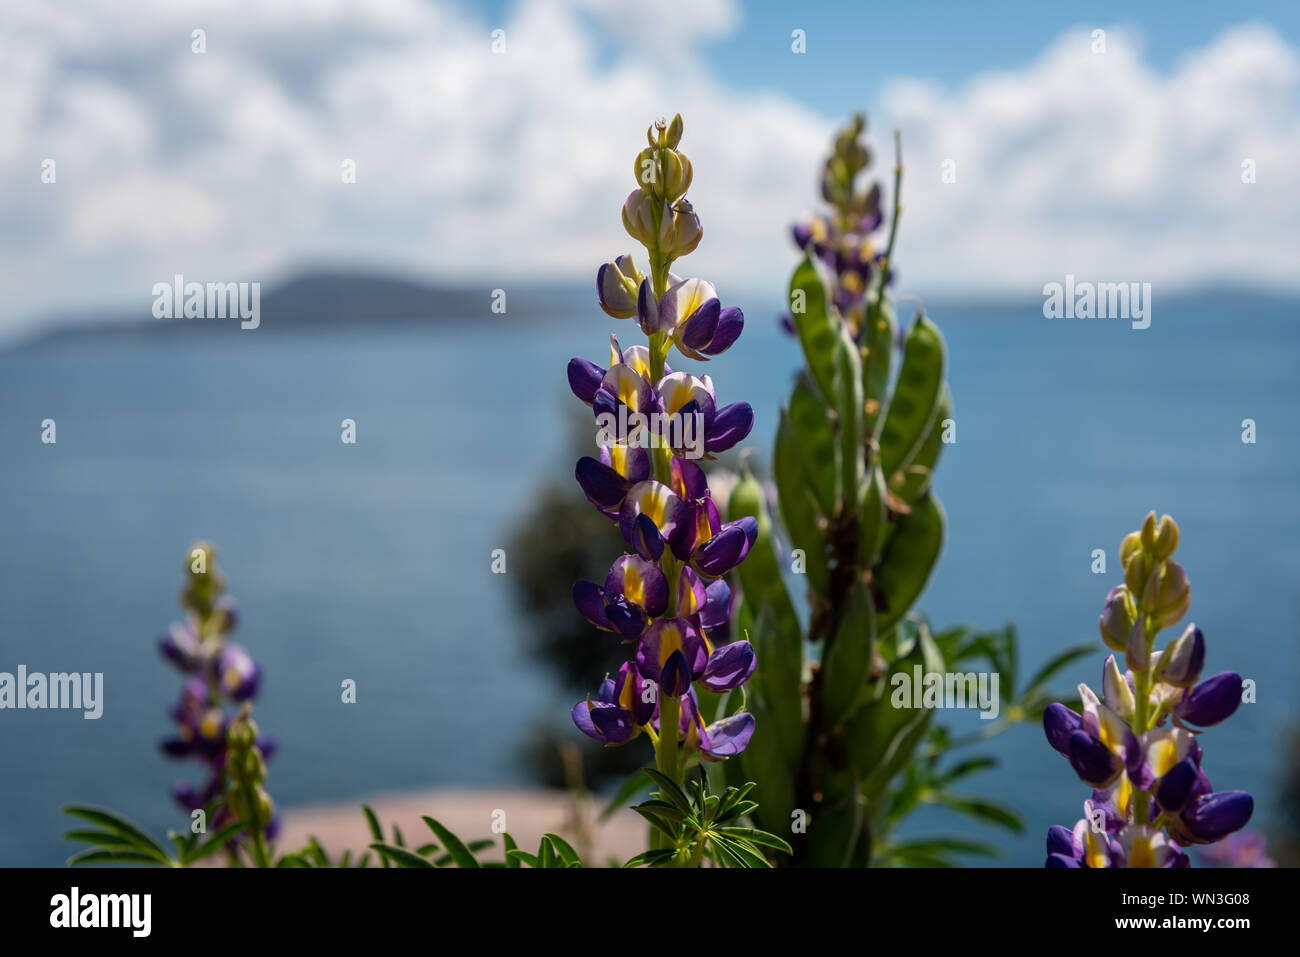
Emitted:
pixel 120 826
pixel 662 817
pixel 754 836
pixel 741 851
pixel 400 856
pixel 670 792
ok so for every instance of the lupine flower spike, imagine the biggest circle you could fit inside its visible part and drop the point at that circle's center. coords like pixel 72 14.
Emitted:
pixel 219 673
pixel 666 597
pixel 1137 744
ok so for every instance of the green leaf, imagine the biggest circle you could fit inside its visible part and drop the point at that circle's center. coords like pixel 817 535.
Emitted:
pixel 848 661
pixel 909 558
pixel 670 792
pixel 967 767
pixel 634 785
pixel 399 856
pixel 216 841
pixel 819 453
pixel 565 850
pixel 454 846
pixel 650 857
pixel 982 809
pixel 376 832
pixel 546 856
pixel 816 326
pixel 916 395
pixel 741 854
pixel 935 846
pixel 516 855
pixel 509 844
pixel 1058 663
pixel 116 824
pixel 99 838
pixel 754 836
pixel 106 856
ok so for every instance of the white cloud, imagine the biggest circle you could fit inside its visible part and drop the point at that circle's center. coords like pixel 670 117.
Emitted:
pixel 1097 165
pixel 474 166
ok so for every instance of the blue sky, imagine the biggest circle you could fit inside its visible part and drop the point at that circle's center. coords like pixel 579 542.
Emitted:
pixel 483 166
pixel 947 40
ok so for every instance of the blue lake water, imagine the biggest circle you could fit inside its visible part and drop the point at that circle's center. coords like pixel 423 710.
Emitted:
pixel 373 561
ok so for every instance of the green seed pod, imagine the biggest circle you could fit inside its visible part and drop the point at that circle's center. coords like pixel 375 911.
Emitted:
pixel 817 328
pixel 798 508
pixel 909 558
pixel 913 479
pixel 848 662
pixel 916 395
pixel 874 524
pixel 818 449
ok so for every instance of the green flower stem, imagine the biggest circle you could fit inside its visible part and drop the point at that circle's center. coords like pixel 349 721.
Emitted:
pixel 1141 720
pixel 666 750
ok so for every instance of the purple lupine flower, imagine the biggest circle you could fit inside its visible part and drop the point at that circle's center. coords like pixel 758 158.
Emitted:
pixel 635 591
pixel 1213 700
pixel 667 595
pixel 1153 796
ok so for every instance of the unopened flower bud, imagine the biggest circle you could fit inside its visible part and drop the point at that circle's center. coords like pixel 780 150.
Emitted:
pixel 673 135
pixel 1166 538
pixel 616 287
pixel 1131 545
pixel 1137 571
pixel 639 220
pixel 664 172
pixel 1149 531
pixel 1116 691
pixel 1117 617
pixel 1167 594
pixel 1181 662
pixel 1136 652
pixel 686 230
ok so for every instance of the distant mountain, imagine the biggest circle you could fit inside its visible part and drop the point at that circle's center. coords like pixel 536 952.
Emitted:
pixel 336 299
